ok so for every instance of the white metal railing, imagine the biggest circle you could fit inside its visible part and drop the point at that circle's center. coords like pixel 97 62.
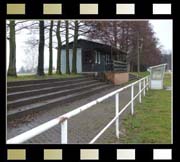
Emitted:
pixel 63 119
pixel 151 67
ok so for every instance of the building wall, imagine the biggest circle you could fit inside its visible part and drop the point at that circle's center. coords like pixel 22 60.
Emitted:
pixel 78 60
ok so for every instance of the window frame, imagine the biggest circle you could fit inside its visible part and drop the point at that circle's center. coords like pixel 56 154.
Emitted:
pixel 97 57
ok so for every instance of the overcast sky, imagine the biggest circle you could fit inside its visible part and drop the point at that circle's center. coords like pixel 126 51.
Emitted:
pixel 164 31
pixel 162 28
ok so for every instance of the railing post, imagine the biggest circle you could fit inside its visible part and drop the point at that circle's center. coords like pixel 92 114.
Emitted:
pixel 147 82
pixel 140 91
pixel 64 133
pixel 132 100
pixel 117 111
pixel 144 87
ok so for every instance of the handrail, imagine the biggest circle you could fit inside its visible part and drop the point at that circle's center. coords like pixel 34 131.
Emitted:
pixel 109 124
pixel 156 66
pixel 114 119
pixel 63 118
pixel 119 62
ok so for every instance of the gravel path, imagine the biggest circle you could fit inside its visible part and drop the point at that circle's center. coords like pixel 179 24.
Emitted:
pixel 81 128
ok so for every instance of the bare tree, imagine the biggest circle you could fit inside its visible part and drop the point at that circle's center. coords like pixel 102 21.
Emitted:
pixel 31 54
pixel 67 48
pixel 125 35
pixel 76 28
pixel 59 44
pixel 50 48
pixel 12 54
pixel 40 69
pixel 13 28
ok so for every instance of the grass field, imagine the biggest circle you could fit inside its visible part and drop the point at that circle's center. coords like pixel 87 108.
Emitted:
pixel 152 120
pixel 35 77
pixel 141 74
pixel 167 79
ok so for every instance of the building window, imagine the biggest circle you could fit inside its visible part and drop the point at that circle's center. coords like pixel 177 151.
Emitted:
pixel 98 57
pixel 108 60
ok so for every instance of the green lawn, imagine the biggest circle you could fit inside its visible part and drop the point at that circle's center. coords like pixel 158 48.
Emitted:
pixel 152 120
pixel 141 74
pixel 35 77
pixel 167 79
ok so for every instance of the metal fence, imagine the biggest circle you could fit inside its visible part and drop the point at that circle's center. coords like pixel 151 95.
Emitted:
pixel 63 119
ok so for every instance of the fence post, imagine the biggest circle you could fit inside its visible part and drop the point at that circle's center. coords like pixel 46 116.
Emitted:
pixel 140 91
pixel 147 82
pixel 144 87
pixel 132 100
pixel 117 111
pixel 64 133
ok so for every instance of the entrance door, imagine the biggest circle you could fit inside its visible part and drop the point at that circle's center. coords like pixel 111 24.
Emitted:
pixel 103 62
pixel 99 62
pixel 87 60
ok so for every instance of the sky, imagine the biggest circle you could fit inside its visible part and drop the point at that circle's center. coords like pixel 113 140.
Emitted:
pixel 164 31
pixel 162 28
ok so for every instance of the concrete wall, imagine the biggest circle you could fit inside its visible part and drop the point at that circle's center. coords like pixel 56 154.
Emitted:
pixel 156 84
pixel 78 61
pixel 117 78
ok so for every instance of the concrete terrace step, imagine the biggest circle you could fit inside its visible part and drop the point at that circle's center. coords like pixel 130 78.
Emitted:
pixel 21 94
pixel 43 85
pixel 132 77
pixel 13 113
pixel 40 81
pixel 50 95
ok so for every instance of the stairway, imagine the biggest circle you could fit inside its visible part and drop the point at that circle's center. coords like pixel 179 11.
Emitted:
pixel 132 77
pixel 24 97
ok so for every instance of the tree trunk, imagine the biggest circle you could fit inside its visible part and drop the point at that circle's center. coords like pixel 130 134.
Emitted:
pixel 123 38
pixel 127 39
pixel 115 33
pixel 67 48
pixel 58 69
pixel 12 54
pixel 40 69
pixel 74 66
pixel 50 49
